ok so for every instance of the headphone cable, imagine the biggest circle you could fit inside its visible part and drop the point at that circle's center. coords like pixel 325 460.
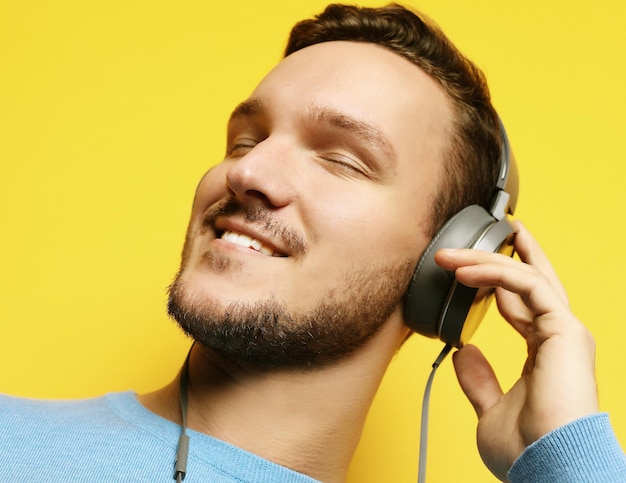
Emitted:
pixel 180 464
pixel 421 475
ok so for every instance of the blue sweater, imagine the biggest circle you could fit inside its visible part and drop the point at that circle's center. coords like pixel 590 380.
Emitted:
pixel 114 438
pixel 585 450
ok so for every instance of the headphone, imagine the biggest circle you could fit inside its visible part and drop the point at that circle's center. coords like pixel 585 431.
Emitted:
pixel 436 304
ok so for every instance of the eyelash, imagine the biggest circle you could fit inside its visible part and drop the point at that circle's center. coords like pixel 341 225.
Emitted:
pixel 240 145
pixel 348 165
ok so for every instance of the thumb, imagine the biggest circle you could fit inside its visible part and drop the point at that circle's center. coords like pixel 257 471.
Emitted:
pixel 476 378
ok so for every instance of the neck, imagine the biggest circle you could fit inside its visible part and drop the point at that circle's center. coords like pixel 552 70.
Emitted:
pixel 309 420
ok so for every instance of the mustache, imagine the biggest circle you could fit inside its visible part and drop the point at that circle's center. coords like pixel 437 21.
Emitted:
pixel 263 218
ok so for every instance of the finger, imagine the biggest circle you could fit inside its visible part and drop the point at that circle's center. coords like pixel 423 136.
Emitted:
pixel 453 258
pixel 483 269
pixel 530 252
pixel 476 378
pixel 514 311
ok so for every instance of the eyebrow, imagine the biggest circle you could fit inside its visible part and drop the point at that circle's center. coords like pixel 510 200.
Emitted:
pixel 248 107
pixel 368 133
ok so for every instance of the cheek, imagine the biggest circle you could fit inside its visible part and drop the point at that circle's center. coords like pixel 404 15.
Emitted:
pixel 374 230
pixel 212 188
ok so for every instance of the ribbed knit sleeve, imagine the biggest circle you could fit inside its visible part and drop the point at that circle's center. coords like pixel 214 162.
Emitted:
pixel 586 450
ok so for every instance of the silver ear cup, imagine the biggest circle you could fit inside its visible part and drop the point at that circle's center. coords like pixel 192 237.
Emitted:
pixel 436 304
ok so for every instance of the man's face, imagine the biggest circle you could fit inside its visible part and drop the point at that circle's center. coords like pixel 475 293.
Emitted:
pixel 302 241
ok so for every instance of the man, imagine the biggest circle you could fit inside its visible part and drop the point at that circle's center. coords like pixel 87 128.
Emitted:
pixel 340 167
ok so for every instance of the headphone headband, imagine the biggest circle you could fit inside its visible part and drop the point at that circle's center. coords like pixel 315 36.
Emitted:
pixel 507 184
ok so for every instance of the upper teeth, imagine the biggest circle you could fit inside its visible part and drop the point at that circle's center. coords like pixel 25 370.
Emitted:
pixel 246 241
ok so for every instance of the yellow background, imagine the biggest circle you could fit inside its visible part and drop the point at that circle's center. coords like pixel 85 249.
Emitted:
pixel 111 111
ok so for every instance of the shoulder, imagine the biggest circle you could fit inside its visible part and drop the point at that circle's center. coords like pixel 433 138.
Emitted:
pixel 51 411
pixel 49 440
pixel 59 422
pixel 115 438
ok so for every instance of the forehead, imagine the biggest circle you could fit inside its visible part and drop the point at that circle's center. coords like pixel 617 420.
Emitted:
pixel 365 83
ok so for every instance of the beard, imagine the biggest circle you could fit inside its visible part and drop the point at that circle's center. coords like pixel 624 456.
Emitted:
pixel 267 335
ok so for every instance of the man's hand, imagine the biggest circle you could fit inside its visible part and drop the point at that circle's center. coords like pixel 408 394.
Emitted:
pixel 557 384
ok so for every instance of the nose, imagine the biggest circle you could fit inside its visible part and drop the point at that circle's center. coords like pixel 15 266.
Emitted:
pixel 265 173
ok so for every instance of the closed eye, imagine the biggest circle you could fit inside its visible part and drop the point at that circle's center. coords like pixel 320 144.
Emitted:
pixel 339 162
pixel 240 147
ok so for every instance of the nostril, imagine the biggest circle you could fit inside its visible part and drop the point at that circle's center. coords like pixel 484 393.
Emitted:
pixel 259 196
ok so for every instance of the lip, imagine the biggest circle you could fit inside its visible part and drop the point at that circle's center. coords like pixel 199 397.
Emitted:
pixel 223 224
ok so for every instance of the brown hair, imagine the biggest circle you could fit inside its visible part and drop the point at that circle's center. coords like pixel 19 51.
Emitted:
pixel 471 169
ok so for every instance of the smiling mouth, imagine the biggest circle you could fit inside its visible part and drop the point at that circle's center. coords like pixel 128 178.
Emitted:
pixel 249 242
